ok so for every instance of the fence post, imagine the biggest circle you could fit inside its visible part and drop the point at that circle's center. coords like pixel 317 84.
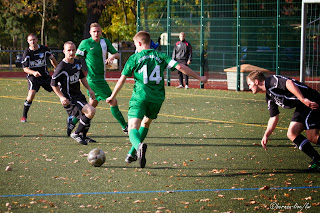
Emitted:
pixel 238 46
pixel 201 46
pixel 169 37
pixel 278 37
pixel 10 61
pixel 138 15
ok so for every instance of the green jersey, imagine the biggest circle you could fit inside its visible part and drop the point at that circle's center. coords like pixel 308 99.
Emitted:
pixel 95 55
pixel 147 67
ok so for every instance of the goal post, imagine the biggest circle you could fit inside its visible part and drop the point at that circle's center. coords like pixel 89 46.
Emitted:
pixel 310 43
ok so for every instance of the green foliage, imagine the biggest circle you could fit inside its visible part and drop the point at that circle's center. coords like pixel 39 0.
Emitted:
pixel 119 20
pixel 20 17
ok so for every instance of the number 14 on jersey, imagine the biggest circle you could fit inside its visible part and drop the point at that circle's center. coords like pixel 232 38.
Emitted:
pixel 154 75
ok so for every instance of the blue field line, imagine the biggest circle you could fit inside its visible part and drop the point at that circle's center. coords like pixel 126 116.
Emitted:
pixel 168 191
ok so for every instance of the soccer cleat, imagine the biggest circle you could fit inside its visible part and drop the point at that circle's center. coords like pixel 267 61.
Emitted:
pixel 89 140
pixel 179 87
pixel 130 158
pixel 141 154
pixel 314 167
pixel 125 130
pixel 23 119
pixel 186 87
pixel 79 138
pixel 70 125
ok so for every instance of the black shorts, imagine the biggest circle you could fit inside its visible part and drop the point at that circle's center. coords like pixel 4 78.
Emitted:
pixel 76 105
pixel 34 83
pixel 309 117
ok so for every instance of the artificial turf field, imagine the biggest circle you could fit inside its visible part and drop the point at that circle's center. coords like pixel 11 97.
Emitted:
pixel 204 155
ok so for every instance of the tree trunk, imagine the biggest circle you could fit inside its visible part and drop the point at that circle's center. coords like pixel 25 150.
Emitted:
pixel 42 20
pixel 94 10
pixel 66 15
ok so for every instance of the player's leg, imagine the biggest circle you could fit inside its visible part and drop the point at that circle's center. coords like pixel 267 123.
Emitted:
pixel 143 131
pixel 102 91
pixel 180 76
pixel 186 81
pixel 27 105
pixel 313 136
pixel 88 113
pixel 294 134
pixel 72 120
pixel 135 139
pixel 118 115
pixel 33 88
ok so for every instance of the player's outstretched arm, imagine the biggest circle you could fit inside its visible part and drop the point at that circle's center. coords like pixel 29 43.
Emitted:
pixel 187 71
pixel 296 91
pixel 86 85
pixel 117 89
pixel 112 57
pixel 272 123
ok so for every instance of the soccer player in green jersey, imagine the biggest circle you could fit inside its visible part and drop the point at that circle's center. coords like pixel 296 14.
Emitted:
pixel 95 51
pixel 147 67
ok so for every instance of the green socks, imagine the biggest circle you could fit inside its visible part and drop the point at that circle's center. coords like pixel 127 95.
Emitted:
pixel 118 115
pixel 143 133
pixel 75 120
pixel 134 137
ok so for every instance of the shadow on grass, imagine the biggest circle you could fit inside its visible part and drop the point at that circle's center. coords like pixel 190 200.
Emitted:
pixel 233 144
pixel 240 173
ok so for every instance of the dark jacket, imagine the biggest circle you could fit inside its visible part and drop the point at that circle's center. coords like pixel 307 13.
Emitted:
pixel 182 51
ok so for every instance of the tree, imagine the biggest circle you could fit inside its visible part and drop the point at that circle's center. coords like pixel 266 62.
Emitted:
pixel 94 10
pixel 20 12
pixel 66 16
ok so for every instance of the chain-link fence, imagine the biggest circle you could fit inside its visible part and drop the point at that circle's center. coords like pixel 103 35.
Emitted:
pixel 10 60
pixel 228 33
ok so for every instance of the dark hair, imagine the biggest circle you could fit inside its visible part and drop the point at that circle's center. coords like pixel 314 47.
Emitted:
pixel 256 75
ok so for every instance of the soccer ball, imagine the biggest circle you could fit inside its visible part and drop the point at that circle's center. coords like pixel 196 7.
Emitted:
pixel 96 157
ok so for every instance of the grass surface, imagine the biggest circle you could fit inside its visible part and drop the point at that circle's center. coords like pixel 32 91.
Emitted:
pixel 204 155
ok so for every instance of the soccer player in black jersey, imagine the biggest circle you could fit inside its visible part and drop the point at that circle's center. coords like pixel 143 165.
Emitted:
pixel 289 93
pixel 65 83
pixel 34 63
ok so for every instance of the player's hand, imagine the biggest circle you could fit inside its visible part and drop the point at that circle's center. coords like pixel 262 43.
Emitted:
pixel 109 60
pixel 264 142
pixel 310 104
pixel 64 101
pixel 204 79
pixel 110 100
pixel 188 62
pixel 92 95
pixel 36 74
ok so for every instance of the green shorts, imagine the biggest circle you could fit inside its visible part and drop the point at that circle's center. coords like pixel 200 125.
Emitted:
pixel 139 109
pixel 101 89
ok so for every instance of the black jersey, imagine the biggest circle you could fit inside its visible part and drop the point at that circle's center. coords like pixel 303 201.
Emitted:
pixel 277 94
pixel 67 77
pixel 36 59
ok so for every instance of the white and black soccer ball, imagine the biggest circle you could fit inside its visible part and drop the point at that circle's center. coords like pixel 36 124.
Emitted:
pixel 96 157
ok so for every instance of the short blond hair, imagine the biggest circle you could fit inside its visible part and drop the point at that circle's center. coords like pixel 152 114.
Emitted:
pixel 256 75
pixel 143 36
pixel 95 25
